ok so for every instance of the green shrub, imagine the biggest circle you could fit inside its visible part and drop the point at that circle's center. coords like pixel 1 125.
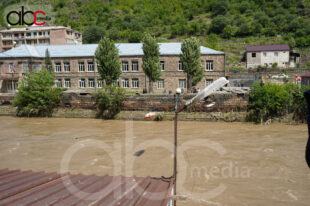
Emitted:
pixel 273 100
pixel 109 102
pixel 36 95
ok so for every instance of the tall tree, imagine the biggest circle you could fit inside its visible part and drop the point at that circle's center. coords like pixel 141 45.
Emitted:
pixel 48 61
pixel 151 63
pixel 37 95
pixel 191 62
pixel 109 65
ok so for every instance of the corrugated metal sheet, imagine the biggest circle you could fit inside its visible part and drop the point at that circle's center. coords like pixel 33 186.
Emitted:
pixel 276 47
pixel 40 188
pixel 88 50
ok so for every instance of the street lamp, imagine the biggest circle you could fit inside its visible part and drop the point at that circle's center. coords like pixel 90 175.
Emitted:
pixel 177 96
pixel 217 84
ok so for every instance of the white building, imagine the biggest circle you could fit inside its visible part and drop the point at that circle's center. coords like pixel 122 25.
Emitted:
pixel 267 55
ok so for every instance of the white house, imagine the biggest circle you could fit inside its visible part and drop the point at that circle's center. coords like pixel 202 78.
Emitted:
pixel 267 55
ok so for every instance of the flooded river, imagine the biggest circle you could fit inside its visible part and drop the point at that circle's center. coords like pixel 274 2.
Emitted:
pixel 219 163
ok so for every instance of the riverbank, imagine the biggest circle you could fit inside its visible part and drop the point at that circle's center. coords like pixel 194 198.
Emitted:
pixel 233 116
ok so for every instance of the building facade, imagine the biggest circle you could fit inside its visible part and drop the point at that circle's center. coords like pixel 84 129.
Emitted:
pixel 76 69
pixel 38 35
pixel 267 55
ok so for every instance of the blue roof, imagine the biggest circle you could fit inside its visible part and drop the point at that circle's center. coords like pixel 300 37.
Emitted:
pixel 85 50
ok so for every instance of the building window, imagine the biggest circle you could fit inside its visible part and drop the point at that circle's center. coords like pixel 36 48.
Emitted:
pixel 11 67
pixel 82 83
pixel 180 67
pixel 57 67
pixel 160 84
pixel 209 65
pixel 125 83
pixel 134 66
pixel 124 66
pixel 208 82
pixel 81 67
pixel 99 84
pixel 90 66
pixel 91 83
pixel 117 82
pixel 265 54
pixel 67 83
pixel 253 55
pixel 37 66
pixel 135 83
pixel 25 67
pixel 276 54
pixel 182 83
pixel 67 66
pixel 162 66
pixel 58 83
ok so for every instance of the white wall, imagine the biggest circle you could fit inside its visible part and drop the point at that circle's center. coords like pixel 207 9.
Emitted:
pixel 282 59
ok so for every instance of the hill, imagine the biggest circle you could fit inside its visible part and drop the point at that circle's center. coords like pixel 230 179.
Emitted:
pixel 213 21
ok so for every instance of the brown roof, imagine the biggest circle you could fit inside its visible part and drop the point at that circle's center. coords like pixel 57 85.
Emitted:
pixel 276 47
pixel 40 188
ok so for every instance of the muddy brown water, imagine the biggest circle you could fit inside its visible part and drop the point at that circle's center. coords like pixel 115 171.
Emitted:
pixel 219 163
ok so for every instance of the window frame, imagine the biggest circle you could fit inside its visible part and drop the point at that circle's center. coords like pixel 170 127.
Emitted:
pixel 125 63
pixel 81 68
pixel 163 84
pixel 125 80
pixel 184 83
pixel 208 80
pixel 57 66
pixel 91 83
pixel 180 67
pixel 67 66
pixel 67 81
pixel 162 65
pixel 134 62
pixel 90 66
pixel 135 83
pixel 209 66
pixel 82 81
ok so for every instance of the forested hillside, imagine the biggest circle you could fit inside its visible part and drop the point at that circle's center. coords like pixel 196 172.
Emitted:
pixel 126 20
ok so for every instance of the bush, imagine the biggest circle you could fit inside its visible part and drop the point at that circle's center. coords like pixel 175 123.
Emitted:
pixel 273 100
pixel 36 96
pixel 109 102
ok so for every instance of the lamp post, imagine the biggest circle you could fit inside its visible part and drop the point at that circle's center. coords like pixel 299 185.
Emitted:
pixel 177 96
pixel 217 84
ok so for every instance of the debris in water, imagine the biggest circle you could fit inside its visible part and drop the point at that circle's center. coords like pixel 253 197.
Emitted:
pixel 139 153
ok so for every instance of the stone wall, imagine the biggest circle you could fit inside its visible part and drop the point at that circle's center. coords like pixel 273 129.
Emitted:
pixel 224 102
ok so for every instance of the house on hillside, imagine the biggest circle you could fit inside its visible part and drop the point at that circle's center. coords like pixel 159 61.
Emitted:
pixel 267 55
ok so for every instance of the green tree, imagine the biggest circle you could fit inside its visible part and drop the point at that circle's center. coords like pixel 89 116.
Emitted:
pixel 218 24
pixel 93 34
pixel 220 7
pixel 109 65
pixel 37 95
pixel 191 62
pixel 134 37
pixel 109 102
pixel 229 31
pixel 150 60
pixel 48 61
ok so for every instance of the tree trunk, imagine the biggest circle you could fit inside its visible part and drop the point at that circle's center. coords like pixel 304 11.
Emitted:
pixel 189 84
pixel 150 86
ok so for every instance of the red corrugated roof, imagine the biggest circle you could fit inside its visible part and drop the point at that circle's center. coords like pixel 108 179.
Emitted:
pixel 40 188
pixel 276 47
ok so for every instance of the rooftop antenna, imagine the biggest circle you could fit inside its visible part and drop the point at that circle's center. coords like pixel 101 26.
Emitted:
pixel 210 89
